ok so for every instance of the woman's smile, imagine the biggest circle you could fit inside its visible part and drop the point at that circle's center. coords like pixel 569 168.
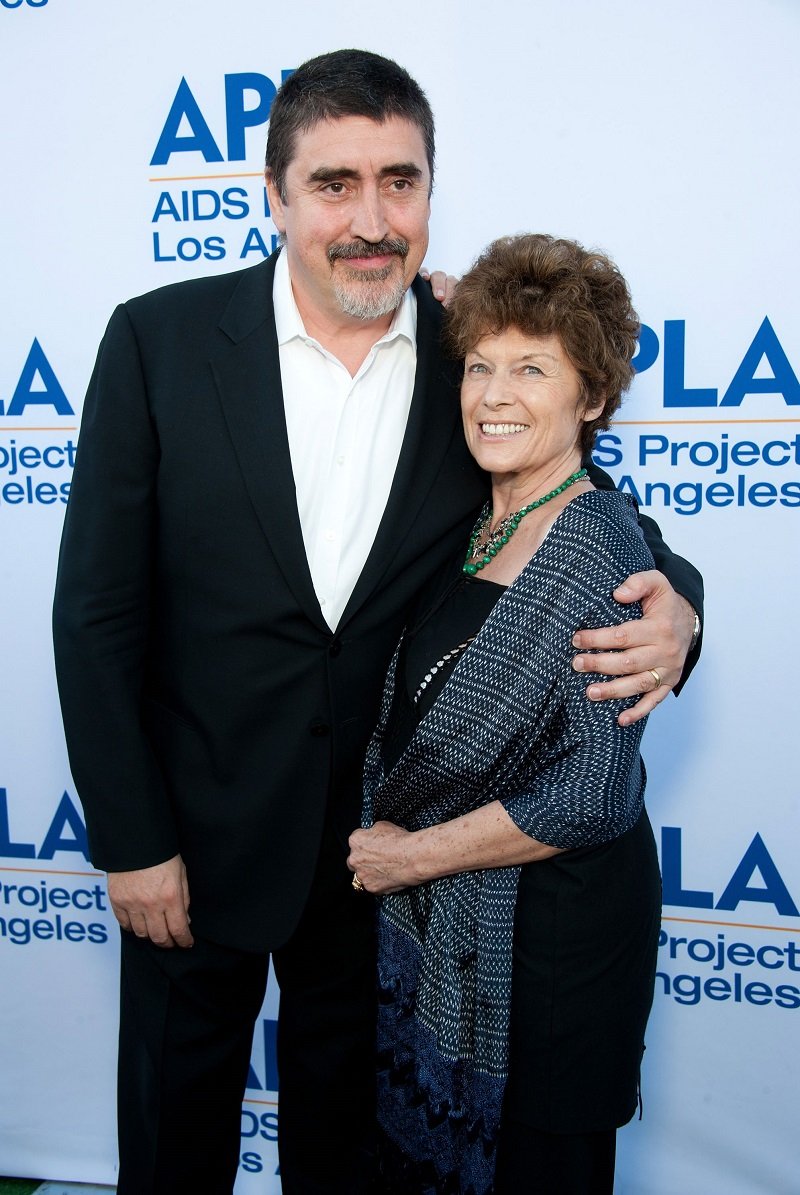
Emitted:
pixel 503 429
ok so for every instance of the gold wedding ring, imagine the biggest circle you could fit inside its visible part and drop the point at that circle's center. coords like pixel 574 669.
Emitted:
pixel 656 677
pixel 356 882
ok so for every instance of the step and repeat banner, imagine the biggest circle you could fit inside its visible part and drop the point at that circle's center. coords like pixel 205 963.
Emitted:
pixel 133 138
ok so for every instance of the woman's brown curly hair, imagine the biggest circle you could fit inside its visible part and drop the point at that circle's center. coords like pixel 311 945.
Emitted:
pixel 540 285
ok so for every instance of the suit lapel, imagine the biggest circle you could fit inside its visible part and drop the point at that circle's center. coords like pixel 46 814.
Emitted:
pixel 248 379
pixel 433 420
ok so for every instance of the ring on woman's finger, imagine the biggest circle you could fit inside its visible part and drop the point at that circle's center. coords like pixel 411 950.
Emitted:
pixel 656 676
pixel 356 882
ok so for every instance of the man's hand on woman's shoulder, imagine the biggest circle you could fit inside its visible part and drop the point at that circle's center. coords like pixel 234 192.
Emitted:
pixel 647 654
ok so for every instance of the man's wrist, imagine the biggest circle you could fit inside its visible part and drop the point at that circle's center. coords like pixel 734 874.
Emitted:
pixel 697 630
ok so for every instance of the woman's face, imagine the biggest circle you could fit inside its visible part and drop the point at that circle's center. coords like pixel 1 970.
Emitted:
pixel 522 406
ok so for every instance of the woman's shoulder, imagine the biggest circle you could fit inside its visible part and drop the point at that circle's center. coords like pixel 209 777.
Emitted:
pixel 602 518
pixel 599 533
pixel 609 505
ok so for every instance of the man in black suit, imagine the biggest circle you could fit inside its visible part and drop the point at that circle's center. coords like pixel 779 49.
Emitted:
pixel 270 465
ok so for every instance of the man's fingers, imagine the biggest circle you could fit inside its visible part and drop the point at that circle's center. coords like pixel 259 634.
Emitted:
pixel 158 932
pixel 634 666
pixel 153 902
pixel 627 634
pixel 162 929
pixel 611 663
pixel 646 654
pixel 443 285
pixel 123 919
pixel 177 926
pixel 644 706
pixel 137 924
pixel 642 585
pixel 165 927
pixel 642 685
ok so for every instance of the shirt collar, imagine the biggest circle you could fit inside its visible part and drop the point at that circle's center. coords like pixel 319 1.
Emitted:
pixel 289 324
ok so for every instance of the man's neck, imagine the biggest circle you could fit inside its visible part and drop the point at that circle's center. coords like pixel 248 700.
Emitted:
pixel 348 339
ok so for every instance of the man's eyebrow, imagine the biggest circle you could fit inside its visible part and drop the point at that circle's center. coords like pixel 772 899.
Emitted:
pixel 332 174
pixel 329 174
pixel 403 169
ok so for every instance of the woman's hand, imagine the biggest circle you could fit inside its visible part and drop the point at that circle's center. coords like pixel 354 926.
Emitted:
pixel 387 858
pixel 382 857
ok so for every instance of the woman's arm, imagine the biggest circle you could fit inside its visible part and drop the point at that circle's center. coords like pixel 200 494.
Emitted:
pixel 664 637
pixel 681 574
pixel 388 858
pixel 577 781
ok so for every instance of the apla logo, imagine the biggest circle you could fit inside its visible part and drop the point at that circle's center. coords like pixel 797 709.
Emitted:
pixel 756 860
pixel 66 832
pixel 748 379
pixel 248 98
pixel 37 386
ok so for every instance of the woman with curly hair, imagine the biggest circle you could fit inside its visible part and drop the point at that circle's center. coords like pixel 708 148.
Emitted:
pixel 505 828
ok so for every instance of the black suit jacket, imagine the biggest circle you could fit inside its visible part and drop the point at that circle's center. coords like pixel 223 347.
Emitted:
pixel 209 710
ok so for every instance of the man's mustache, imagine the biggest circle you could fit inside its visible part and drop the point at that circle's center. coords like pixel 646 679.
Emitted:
pixel 344 251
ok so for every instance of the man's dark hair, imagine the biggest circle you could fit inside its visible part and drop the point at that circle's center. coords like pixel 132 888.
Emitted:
pixel 343 83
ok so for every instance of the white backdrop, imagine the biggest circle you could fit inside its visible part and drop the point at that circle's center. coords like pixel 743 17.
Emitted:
pixel 664 135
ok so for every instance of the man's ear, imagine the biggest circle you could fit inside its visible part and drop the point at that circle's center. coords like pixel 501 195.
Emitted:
pixel 275 202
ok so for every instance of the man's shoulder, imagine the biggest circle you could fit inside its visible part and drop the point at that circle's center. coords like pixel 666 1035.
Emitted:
pixel 430 312
pixel 193 296
pixel 434 357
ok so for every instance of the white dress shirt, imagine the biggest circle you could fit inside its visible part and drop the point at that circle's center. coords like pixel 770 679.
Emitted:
pixel 345 435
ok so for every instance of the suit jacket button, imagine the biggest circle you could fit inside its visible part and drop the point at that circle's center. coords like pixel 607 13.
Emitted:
pixel 334 648
pixel 319 729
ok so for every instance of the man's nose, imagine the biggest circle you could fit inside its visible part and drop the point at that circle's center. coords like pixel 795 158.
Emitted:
pixel 369 217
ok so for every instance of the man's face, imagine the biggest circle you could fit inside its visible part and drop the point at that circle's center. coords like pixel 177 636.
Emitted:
pixel 355 216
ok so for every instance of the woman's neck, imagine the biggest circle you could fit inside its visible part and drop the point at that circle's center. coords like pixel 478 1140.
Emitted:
pixel 511 492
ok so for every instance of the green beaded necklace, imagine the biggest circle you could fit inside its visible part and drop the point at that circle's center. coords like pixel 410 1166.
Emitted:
pixel 506 528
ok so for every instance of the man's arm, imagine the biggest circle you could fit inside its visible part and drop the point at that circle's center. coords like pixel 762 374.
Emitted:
pixel 101 624
pixel 656 653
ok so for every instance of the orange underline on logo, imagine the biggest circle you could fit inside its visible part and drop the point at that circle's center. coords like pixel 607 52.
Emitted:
pixel 704 422
pixel 192 178
pixel 783 929
pixel 49 871
pixel 268 1103
pixel 66 428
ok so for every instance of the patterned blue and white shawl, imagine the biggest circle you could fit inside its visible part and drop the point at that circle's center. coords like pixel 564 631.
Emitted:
pixel 511 724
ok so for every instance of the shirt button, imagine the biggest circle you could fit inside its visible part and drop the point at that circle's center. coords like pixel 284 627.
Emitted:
pixel 340 460
pixel 330 536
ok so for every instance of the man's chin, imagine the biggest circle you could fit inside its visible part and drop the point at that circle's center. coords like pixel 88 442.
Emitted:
pixel 371 298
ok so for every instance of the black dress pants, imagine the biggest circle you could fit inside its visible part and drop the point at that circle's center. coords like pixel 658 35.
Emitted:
pixel 186 1028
